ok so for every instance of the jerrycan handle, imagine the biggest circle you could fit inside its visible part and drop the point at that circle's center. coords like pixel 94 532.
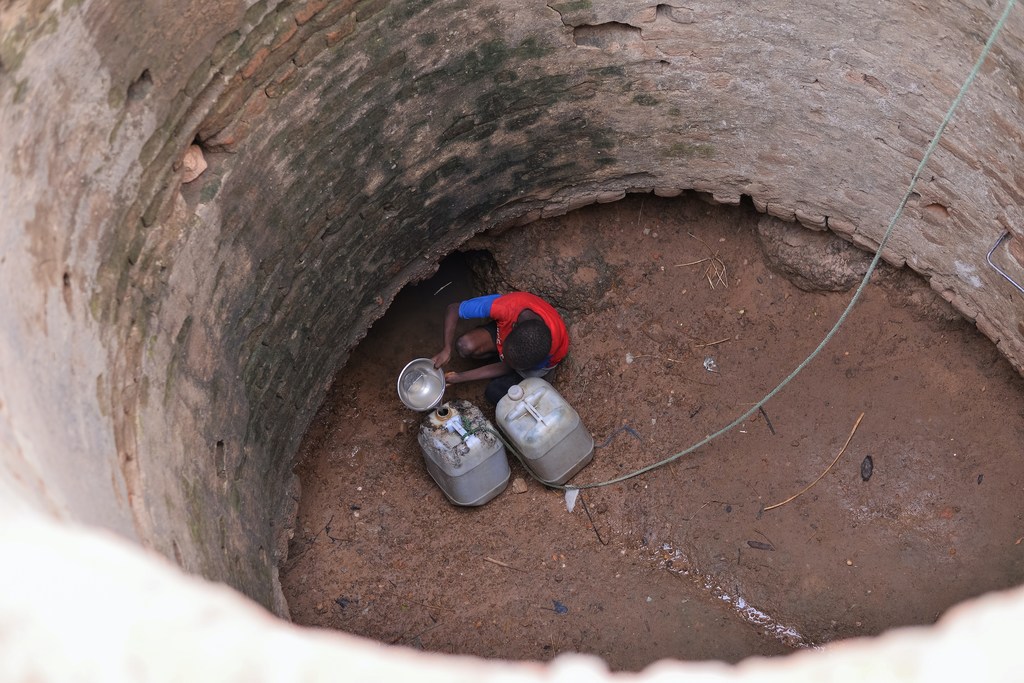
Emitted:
pixel 532 410
pixel 456 426
pixel 516 394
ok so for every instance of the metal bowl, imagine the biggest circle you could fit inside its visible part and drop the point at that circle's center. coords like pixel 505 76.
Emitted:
pixel 421 385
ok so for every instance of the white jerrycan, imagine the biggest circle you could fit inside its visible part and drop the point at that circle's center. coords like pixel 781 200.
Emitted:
pixel 462 453
pixel 545 429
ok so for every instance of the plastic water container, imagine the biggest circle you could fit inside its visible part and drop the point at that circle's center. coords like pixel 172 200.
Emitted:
pixel 466 461
pixel 546 430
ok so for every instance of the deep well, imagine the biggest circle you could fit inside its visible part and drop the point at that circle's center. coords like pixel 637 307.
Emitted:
pixel 165 344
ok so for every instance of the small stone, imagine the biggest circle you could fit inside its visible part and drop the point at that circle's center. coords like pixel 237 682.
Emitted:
pixel 518 485
pixel 849 563
pixel 193 164
pixel 867 466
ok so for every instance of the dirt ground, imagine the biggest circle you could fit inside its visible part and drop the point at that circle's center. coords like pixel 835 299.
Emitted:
pixel 682 562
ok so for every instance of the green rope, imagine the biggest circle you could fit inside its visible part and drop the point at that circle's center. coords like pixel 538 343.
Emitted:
pixel 860 289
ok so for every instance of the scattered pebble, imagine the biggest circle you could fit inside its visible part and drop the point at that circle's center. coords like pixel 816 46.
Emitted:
pixel 560 608
pixel 867 466
pixel 518 485
pixel 849 563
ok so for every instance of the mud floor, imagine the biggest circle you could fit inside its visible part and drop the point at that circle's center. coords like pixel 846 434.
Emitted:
pixel 681 562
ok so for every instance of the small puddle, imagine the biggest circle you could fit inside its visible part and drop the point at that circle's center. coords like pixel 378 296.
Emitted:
pixel 675 561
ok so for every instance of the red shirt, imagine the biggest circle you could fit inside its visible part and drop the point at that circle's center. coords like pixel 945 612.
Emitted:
pixel 505 310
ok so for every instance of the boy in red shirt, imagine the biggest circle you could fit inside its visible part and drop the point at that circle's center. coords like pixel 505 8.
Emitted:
pixel 527 337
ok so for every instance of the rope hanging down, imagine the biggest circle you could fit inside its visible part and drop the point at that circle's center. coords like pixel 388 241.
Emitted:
pixel 860 289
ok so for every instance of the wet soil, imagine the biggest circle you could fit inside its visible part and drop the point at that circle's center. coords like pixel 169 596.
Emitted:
pixel 684 561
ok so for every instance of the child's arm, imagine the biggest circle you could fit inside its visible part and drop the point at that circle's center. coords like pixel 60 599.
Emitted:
pixel 484 372
pixel 451 319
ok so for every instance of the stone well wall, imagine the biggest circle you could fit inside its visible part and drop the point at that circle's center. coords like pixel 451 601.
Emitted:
pixel 165 343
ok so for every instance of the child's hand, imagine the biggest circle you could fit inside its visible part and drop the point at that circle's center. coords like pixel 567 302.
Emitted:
pixel 451 378
pixel 442 358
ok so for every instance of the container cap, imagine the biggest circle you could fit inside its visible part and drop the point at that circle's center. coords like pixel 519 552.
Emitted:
pixel 515 392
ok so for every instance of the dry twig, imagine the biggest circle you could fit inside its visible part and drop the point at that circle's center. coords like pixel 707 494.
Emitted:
pixel 766 420
pixel 716 271
pixel 654 355
pixel 714 343
pixel 841 451
pixel 719 273
pixel 421 633
pixel 502 564
pixel 593 524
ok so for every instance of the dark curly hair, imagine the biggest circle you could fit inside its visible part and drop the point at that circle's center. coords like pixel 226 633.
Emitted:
pixel 527 345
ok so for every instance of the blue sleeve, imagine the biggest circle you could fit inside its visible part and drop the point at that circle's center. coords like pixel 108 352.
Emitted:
pixel 479 307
